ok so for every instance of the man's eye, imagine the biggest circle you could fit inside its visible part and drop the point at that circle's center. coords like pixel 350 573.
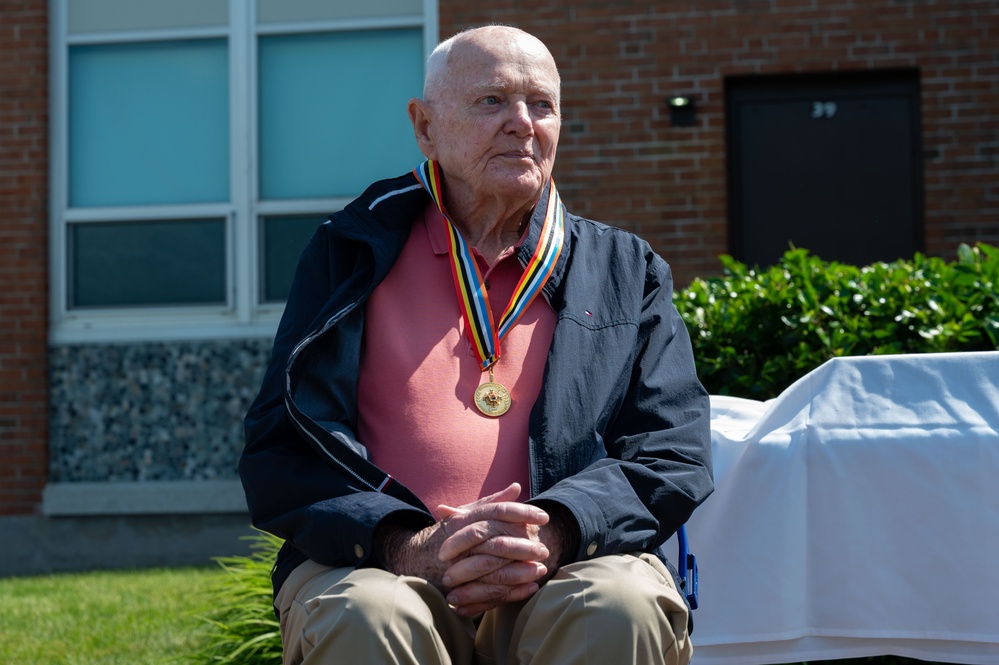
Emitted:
pixel 545 106
pixel 490 100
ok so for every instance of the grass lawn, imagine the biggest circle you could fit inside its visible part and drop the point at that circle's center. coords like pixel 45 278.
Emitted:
pixel 104 618
pixel 154 617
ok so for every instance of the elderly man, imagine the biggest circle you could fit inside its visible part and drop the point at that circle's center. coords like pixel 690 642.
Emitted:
pixel 482 419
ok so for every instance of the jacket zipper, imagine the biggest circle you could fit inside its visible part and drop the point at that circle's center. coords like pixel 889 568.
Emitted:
pixel 333 457
pixel 289 407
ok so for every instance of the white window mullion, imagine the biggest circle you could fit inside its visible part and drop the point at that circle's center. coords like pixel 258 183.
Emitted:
pixel 431 30
pixel 147 213
pixel 58 160
pixel 302 206
pixel 242 150
pixel 138 36
pixel 309 27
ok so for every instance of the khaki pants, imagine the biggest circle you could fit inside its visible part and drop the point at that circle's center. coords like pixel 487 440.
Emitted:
pixel 614 609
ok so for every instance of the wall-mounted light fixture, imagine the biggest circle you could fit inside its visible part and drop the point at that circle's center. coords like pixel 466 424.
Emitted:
pixel 682 111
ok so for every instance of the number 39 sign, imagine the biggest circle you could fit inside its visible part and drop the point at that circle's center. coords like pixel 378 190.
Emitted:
pixel 823 109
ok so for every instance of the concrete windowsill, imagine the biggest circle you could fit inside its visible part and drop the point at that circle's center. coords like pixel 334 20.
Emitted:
pixel 144 498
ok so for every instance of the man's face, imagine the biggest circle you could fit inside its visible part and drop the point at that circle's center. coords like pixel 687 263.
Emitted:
pixel 495 125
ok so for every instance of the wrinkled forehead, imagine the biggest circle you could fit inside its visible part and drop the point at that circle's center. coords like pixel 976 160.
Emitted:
pixel 501 38
pixel 502 60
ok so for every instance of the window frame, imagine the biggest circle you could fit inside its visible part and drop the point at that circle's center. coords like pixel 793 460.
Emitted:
pixel 245 314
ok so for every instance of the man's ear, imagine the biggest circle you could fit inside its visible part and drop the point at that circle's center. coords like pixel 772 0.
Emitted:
pixel 420 115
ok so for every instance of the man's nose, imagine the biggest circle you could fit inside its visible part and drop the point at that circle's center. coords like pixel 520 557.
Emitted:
pixel 520 121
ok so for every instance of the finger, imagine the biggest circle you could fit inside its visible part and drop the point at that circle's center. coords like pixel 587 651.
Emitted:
pixel 488 569
pixel 509 493
pixel 515 574
pixel 461 540
pixel 445 510
pixel 509 511
pixel 469 529
pixel 471 568
pixel 513 548
pixel 472 599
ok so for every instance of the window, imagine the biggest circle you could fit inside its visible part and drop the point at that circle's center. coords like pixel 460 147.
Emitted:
pixel 198 144
pixel 111 263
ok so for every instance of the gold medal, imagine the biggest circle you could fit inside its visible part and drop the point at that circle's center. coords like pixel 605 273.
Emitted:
pixel 492 398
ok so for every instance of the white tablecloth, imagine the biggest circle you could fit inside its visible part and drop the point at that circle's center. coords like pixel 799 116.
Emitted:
pixel 857 514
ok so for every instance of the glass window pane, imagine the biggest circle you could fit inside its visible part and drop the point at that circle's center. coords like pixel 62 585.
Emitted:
pixel 284 238
pixel 292 11
pixel 148 123
pixel 110 15
pixel 333 110
pixel 169 262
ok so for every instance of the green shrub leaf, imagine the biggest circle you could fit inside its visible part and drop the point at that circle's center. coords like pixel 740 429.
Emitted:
pixel 757 330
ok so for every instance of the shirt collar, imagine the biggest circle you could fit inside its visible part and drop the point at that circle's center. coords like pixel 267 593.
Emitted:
pixel 433 219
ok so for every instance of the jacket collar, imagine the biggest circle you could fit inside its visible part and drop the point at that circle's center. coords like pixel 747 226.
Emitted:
pixel 534 234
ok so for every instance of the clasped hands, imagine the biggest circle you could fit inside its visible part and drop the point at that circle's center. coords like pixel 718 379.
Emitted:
pixel 483 554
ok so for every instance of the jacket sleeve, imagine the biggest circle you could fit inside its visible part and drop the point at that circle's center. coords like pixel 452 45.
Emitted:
pixel 292 489
pixel 636 475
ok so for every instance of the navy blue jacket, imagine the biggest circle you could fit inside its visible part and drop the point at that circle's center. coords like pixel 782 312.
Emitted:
pixel 619 435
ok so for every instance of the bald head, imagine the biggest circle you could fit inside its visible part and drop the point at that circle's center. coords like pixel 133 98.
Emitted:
pixel 499 38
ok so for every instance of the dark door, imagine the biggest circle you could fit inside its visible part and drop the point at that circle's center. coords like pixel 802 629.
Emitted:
pixel 829 163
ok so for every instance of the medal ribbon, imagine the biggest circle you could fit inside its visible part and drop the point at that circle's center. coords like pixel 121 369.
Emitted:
pixel 473 299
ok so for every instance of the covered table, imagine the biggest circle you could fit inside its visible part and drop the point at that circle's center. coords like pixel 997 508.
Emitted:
pixel 857 514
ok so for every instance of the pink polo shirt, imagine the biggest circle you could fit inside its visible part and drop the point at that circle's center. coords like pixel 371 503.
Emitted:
pixel 418 374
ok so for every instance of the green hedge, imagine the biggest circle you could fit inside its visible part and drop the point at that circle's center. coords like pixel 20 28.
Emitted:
pixel 756 331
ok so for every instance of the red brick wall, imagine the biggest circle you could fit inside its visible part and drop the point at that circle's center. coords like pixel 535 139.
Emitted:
pixel 621 162
pixel 23 254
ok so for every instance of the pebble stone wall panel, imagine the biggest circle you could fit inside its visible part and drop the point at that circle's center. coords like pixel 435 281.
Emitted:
pixel 152 411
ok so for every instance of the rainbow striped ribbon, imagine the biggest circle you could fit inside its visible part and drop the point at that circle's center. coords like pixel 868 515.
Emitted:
pixel 469 287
